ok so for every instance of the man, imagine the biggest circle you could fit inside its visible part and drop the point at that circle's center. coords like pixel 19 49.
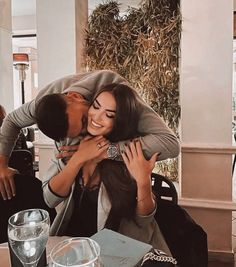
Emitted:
pixel 77 90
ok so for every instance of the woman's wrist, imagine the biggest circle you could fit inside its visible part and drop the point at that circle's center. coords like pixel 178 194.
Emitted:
pixel 145 204
pixel 144 197
pixel 144 191
pixel 144 184
pixel 77 159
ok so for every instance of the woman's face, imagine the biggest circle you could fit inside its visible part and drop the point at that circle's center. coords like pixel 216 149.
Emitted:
pixel 101 114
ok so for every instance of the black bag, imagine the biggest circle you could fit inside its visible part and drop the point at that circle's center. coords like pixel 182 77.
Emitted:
pixel 186 240
pixel 158 258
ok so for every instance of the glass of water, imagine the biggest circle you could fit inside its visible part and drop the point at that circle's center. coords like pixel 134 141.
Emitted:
pixel 76 251
pixel 28 232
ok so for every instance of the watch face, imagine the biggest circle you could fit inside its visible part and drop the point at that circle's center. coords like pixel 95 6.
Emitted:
pixel 112 152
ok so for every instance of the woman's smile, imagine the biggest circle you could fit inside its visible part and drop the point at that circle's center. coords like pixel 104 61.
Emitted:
pixel 96 125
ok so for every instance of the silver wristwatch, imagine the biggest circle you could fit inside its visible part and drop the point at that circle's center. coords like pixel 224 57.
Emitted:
pixel 112 151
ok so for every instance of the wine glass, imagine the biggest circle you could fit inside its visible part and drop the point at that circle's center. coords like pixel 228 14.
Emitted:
pixel 76 251
pixel 28 232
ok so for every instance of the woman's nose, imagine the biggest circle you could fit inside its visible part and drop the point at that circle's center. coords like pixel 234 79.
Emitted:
pixel 98 116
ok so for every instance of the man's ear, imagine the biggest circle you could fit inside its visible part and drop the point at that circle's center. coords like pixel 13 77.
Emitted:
pixel 74 95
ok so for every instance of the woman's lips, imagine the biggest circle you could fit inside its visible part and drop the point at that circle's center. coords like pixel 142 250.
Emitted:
pixel 96 124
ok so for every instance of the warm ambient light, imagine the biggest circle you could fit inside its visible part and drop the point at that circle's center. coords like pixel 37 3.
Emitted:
pixel 21 63
pixel 20 57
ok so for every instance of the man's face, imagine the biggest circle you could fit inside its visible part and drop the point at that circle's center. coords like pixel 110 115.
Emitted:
pixel 77 110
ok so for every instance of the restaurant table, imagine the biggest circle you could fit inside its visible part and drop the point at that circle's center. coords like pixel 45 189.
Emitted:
pixel 5 256
pixel 116 249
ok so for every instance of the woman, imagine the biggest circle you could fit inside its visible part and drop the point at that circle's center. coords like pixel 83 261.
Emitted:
pixel 105 193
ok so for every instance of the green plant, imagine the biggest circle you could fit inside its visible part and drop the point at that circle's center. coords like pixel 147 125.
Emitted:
pixel 142 46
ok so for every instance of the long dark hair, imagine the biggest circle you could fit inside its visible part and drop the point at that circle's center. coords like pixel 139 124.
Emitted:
pixel 120 186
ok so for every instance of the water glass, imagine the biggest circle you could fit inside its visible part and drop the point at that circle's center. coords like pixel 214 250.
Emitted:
pixel 76 252
pixel 28 232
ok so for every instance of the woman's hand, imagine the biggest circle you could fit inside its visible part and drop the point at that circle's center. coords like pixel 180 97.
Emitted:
pixel 92 148
pixel 89 149
pixel 141 170
pixel 138 166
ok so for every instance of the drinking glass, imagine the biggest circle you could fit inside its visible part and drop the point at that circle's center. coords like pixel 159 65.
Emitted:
pixel 28 232
pixel 76 252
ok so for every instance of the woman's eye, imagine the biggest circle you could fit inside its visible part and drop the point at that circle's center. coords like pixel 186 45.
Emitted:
pixel 110 116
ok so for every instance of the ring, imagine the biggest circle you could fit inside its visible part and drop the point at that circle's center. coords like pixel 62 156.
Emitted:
pixel 99 145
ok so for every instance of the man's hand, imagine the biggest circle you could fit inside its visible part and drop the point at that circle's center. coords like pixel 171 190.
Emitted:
pixel 7 184
pixel 67 151
pixel 93 148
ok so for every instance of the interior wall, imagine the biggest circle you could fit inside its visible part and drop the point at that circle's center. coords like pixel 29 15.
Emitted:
pixel 56 39
pixel 24 24
pixel 206 118
pixel 6 84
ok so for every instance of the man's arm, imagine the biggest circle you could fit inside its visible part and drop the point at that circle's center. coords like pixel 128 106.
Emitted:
pixel 8 135
pixel 25 115
pixel 12 124
pixel 87 84
pixel 156 136
pixel 14 121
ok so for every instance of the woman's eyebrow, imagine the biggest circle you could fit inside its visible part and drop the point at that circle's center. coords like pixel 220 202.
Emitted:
pixel 97 102
pixel 110 110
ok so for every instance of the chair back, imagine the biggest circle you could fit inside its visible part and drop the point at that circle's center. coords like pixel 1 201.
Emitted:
pixel 22 160
pixel 186 239
pixel 163 188
pixel 29 195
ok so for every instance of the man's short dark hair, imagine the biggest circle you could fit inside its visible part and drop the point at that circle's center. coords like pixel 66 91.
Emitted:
pixel 51 116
